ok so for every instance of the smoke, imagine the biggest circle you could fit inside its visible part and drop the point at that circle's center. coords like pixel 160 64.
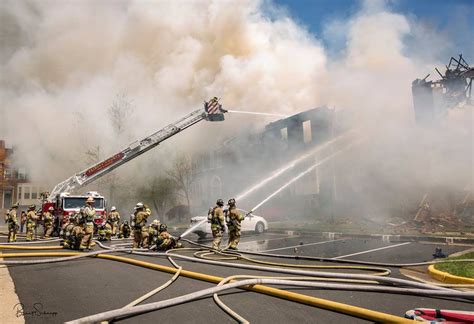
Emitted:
pixel 64 64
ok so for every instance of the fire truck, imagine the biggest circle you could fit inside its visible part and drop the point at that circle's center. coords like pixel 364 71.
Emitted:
pixel 65 203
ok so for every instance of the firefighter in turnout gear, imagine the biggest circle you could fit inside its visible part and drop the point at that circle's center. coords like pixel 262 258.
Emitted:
pixel 114 219
pixel 233 219
pixel 124 230
pixel 153 232
pixel 165 240
pixel 88 227
pixel 139 225
pixel 145 234
pixel 48 220
pixel 12 222
pixel 217 220
pixel 103 231
pixel 73 231
pixel 31 219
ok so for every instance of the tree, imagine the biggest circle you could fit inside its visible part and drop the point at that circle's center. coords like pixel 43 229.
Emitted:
pixel 181 174
pixel 161 192
pixel 120 112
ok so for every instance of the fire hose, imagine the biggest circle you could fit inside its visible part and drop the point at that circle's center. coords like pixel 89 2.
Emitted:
pixel 299 272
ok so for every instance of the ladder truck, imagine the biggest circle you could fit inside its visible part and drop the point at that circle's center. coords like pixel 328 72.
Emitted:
pixel 60 198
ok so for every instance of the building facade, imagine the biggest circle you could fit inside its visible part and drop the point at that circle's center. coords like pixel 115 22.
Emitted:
pixel 241 162
pixel 14 182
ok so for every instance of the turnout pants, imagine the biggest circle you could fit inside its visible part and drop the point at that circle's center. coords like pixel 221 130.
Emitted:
pixel 234 237
pixel 87 238
pixel 137 238
pixel 217 235
pixel 12 229
pixel 30 231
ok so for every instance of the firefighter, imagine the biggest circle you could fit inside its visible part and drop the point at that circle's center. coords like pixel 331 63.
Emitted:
pixel 139 225
pixel 124 230
pixel 145 234
pixel 48 220
pixel 31 219
pixel 77 232
pixel 153 232
pixel 22 220
pixel 108 231
pixel 88 227
pixel 217 220
pixel 72 230
pixel 114 219
pixel 102 231
pixel 165 241
pixel 12 223
pixel 233 218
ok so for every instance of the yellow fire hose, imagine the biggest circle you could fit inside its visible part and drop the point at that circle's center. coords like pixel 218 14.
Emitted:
pixel 274 292
pixel 22 247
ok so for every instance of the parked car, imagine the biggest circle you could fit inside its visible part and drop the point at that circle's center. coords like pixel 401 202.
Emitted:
pixel 254 223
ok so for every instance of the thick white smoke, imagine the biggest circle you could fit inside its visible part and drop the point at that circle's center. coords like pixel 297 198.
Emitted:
pixel 63 63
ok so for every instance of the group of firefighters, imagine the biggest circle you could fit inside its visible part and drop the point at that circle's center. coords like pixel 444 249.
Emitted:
pixel 219 218
pixel 78 229
pixel 30 219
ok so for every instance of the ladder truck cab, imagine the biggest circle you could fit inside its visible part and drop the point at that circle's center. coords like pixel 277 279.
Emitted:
pixel 66 204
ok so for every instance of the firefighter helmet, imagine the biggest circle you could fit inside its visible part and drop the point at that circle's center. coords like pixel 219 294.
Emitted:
pixel 90 199
pixel 31 206
pixel 155 222
pixel 139 205
pixel 231 202
pixel 220 202
pixel 16 205
pixel 51 208
pixel 163 228
pixel 113 208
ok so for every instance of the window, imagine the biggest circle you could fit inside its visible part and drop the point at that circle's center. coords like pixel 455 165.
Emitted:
pixel 8 173
pixel 34 193
pixel 27 192
pixel 19 193
pixel 284 134
pixel 307 136
pixel 21 174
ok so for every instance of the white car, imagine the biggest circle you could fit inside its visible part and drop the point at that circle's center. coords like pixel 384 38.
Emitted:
pixel 254 223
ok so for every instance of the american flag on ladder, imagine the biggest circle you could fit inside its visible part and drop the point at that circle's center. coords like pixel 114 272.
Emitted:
pixel 213 106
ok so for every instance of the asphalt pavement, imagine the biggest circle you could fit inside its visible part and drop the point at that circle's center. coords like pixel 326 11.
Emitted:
pixel 87 286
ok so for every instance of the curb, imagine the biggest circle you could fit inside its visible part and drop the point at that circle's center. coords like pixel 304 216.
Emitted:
pixel 447 277
pixel 384 237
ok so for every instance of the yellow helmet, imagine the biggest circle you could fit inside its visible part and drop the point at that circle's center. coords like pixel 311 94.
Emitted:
pixel 155 222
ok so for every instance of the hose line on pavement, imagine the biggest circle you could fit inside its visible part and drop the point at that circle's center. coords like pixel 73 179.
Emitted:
pixel 204 255
pixel 68 256
pixel 251 283
pixel 321 259
pixel 347 309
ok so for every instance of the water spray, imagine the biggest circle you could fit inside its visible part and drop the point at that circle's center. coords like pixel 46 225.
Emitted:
pixel 302 174
pixel 257 113
pixel 291 165
pixel 277 173
pixel 189 230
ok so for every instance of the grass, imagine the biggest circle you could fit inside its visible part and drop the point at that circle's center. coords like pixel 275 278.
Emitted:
pixel 463 269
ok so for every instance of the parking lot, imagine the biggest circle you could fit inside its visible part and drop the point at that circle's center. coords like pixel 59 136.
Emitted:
pixel 87 286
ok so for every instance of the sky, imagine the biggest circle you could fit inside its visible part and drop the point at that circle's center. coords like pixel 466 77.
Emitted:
pixel 451 18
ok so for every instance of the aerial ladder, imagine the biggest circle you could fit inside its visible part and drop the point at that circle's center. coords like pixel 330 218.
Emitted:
pixel 212 111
